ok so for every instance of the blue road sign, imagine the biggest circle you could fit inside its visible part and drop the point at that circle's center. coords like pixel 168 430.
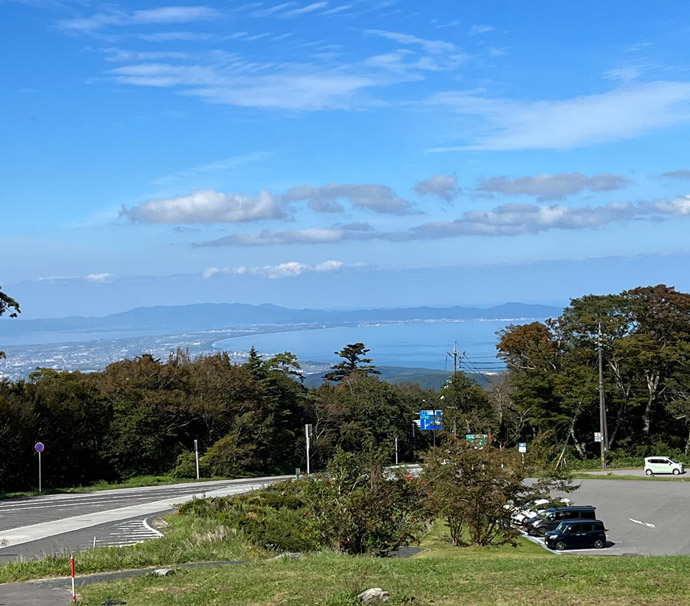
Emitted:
pixel 38 447
pixel 431 420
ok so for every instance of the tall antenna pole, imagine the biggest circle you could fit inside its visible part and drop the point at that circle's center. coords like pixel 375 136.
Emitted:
pixel 602 406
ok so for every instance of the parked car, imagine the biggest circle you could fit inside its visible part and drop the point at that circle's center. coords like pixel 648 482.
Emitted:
pixel 654 465
pixel 534 508
pixel 551 518
pixel 576 533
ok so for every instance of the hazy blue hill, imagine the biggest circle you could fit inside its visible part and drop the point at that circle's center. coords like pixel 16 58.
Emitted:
pixel 206 316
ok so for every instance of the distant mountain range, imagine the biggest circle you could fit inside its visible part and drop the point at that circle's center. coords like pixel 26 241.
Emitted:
pixel 210 316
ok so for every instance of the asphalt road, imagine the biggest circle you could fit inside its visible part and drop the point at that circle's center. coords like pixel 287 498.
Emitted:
pixel 37 526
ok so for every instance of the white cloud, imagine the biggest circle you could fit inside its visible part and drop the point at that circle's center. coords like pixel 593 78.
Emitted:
pixel 552 187
pixel 622 113
pixel 293 90
pixel 310 8
pixel 207 206
pixel 291 269
pixel 431 46
pixel 480 29
pixel 504 220
pixel 165 14
pixel 678 207
pixel 378 198
pixel 104 278
pixel 443 186
pixel 267 12
pixel 175 36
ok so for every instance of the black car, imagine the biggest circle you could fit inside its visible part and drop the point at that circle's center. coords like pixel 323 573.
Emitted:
pixel 576 533
pixel 551 518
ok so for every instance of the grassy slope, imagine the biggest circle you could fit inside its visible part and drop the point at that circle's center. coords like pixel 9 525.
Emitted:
pixel 443 576
pixel 185 540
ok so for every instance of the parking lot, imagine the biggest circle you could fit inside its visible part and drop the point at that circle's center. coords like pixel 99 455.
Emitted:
pixel 642 517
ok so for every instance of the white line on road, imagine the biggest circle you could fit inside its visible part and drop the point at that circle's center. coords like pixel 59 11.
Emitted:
pixel 26 534
pixel 642 523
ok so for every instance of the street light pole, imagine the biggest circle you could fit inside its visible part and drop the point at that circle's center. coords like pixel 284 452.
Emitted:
pixel 308 433
pixel 603 430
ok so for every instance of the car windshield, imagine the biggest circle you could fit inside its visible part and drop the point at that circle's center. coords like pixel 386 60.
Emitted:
pixel 561 528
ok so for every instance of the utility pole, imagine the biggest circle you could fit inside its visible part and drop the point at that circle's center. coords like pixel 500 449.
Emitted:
pixel 454 354
pixel 602 406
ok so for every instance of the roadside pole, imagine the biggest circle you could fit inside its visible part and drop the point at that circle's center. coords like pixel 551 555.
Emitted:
pixel 71 561
pixel 396 449
pixel 307 433
pixel 39 448
pixel 196 457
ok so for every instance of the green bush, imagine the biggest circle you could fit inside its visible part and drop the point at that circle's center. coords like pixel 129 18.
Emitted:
pixel 358 507
pixel 271 518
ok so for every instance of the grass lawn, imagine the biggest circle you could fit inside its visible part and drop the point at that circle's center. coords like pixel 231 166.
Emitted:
pixel 187 539
pixel 444 575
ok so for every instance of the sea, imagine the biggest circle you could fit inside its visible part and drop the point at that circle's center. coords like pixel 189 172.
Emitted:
pixel 423 344
pixel 416 344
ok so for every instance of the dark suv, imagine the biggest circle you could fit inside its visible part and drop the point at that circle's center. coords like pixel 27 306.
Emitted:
pixel 551 518
pixel 575 533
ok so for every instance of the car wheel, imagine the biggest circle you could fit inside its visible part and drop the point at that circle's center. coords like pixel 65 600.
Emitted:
pixel 676 472
pixel 560 546
pixel 541 532
pixel 599 544
pixel 648 472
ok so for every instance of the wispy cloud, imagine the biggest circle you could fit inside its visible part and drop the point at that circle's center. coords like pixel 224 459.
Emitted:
pixel 175 36
pixel 553 187
pixel 165 14
pixel 267 12
pixel 293 90
pixel 442 186
pixel 677 174
pixel 203 170
pixel 207 206
pixel 431 46
pixel 291 269
pixel 310 8
pixel 623 113
pixel 480 29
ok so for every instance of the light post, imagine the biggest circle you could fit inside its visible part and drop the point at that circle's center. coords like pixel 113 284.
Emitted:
pixel 308 434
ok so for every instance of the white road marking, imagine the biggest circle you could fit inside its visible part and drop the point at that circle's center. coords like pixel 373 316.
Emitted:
pixel 642 523
pixel 33 532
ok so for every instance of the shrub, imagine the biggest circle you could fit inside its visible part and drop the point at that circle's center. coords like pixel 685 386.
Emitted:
pixel 358 507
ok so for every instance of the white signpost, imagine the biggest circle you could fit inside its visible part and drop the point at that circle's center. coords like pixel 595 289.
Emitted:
pixel 597 436
pixel 308 433
pixel 196 457
pixel 522 447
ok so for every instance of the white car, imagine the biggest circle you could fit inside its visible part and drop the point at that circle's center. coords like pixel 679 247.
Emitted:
pixel 533 509
pixel 654 465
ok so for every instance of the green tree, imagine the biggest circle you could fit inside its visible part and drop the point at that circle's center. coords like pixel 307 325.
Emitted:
pixel 475 489
pixel 8 304
pixel 354 362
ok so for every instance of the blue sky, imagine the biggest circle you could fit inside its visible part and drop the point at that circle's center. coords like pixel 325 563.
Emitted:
pixel 341 153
